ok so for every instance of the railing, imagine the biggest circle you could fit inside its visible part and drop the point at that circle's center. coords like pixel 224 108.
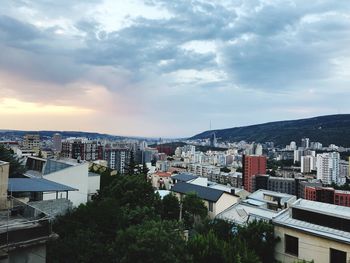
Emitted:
pixel 22 223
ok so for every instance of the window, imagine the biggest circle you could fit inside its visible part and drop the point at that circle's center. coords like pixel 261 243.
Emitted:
pixel 291 245
pixel 337 256
pixel 210 208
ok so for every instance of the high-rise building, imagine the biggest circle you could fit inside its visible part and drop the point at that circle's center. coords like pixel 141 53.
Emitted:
pixel 118 159
pixel 328 168
pixel 252 165
pixel 258 149
pixel 81 149
pixel 57 142
pixel 305 143
pixel 213 140
pixel 31 141
pixel 308 164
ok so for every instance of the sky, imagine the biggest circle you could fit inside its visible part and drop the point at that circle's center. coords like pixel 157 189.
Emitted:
pixel 163 68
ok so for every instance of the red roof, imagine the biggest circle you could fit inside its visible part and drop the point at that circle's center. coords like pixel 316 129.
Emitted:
pixel 163 174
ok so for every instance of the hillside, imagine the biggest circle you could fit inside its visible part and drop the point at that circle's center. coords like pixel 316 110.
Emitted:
pixel 325 129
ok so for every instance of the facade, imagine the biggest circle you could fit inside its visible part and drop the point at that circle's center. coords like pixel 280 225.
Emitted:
pixel 282 185
pixel 81 150
pixel 4 176
pixel 57 142
pixel 117 158
pixel 252 165
pixel 31 141
pixel 308 164
pixel 315 231
pixel 328 168
pixel 327 195
pixel 215 200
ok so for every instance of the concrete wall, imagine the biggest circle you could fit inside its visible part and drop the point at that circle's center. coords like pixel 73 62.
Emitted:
pixel 76 177
pixel 4 177
pixel 93 184
pixel 310 247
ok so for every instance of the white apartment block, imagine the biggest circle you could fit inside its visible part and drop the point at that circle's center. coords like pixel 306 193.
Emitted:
pixel 328 168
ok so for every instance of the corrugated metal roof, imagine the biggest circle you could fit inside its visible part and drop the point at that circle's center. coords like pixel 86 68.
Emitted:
pixel 203 192
pixel 36 185
pixel 184 177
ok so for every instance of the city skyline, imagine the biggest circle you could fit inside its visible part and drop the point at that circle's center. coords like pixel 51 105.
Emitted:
pixel 159 68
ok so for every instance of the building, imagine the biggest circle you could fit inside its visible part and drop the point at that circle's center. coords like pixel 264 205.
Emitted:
pixel 81 149
pixel 311 230
pixel 24 230
pixel 31 141
pixel 69 172
pixel 252 165
pixel 215 200
pixel 305 143
pixel 243 213
pixel 57 142
pixel 328 168
pixel 117 158
pixel 270 200
pixel 327 195
pixel 308 164
pixel 161 180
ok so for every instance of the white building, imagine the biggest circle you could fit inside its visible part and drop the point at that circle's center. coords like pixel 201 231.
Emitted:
pixel 308 164
pixel 328 168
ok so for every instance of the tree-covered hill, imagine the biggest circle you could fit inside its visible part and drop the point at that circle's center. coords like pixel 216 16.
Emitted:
pixel 325 129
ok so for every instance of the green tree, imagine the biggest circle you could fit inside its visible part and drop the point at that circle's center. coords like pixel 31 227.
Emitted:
pixel 16 168
pixel 170 207
pixel 259 237
pixel 193 208
pixel 151 242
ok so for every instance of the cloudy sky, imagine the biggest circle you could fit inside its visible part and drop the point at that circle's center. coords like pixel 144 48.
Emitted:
pixel 168 68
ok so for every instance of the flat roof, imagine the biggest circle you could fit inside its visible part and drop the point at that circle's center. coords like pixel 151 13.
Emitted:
pixel 259 195
pixel 242 213
pixel 36 185
pixel 285 219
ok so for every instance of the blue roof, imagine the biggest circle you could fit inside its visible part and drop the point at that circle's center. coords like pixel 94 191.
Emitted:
pixel 202 192
pixel 184 177
pixel 36 185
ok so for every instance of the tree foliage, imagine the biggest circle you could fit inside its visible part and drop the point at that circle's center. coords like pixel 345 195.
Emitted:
pixel 129 223
pixel 16 168
pixel 193 208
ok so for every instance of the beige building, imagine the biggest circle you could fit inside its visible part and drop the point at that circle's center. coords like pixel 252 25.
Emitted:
pixel 161 180
pixel 31 141
pixel 215 200
pixel 4 177
pixel 311 230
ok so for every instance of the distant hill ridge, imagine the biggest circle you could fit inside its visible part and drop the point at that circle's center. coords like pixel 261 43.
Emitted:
pixel 325 129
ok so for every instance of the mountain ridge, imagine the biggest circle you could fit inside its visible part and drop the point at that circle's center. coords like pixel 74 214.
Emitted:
pixel 326 129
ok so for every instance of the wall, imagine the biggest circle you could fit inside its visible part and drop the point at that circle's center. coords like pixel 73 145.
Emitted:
pixel 4 176
pixel 310 247
pixel 93 184
pixel 76 177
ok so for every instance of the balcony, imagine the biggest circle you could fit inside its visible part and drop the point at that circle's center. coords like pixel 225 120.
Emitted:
pixel 22 225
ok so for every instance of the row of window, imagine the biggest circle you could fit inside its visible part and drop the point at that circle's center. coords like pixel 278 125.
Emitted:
pixel 292 248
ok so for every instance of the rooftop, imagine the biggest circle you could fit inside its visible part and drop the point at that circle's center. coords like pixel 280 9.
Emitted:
pixel 93 174
pixel 242 213
pixel 203 192
pixel 262 194
pixel 36 185
pixel 184 177
pixel 335 212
